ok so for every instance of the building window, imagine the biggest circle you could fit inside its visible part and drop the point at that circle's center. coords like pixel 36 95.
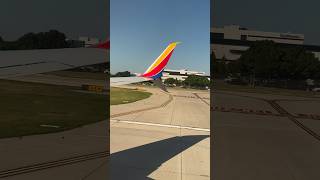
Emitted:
pixel 238 52
pixel 218 35
pixel 244 37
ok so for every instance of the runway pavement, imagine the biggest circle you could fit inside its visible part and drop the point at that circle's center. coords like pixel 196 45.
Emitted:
pixel 265 136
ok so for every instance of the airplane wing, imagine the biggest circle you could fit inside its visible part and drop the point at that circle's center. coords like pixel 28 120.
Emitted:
pixel 153 73
pixel 117 81
pixel 26 62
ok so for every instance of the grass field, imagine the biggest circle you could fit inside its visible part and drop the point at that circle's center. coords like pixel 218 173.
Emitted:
pixel 32 108
pixel 26 107
pixel 121 96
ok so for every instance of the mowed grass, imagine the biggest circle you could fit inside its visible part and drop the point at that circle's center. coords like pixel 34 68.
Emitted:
pixel 122 96
pixel 25 107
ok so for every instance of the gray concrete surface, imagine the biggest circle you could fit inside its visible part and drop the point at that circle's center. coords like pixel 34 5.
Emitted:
pixel 266 146
pixel 143 152
pixel 185 109
pixel 170 142
pixel 30 150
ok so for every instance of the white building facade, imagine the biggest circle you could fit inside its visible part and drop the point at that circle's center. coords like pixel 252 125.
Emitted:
pixel 181 74
pixel 230 41
pixel 238 33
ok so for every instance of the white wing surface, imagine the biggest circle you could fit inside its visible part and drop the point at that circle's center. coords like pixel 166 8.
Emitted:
pixel 117 81
pixel 25 62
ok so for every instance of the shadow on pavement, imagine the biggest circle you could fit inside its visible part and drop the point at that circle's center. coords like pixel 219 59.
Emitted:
pixel 137 163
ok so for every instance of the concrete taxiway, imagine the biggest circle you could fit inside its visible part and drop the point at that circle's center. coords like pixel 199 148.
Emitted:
pixel 185 108
pixel 73 154
pixel 170 141
pixel 265 136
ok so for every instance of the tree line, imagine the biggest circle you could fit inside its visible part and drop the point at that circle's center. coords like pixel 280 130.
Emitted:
pixel 266 60
pixel 192 81
pixel 122 74
pixel 52 39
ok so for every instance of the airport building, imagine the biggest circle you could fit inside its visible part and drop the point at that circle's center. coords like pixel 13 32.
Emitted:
pixel 75 43
pixel 181 74
pixel 89 41
pixel 82 42
pixel 230 42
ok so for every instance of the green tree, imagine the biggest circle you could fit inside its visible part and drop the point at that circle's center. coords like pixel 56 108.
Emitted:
pixel 170 81
pixel 269 60
pixel 43 40
pixel 197 81
pixel 122 74
pixel 219 67
pixel 213 61
pixel 233 68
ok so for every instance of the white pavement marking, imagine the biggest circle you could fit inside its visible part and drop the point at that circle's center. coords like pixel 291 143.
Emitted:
pixel 161 125
pixel 50 126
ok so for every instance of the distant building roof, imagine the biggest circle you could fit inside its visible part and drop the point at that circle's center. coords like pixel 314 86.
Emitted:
pixel 236 32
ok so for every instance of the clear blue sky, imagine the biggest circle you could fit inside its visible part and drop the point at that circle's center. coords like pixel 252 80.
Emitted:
pixel 141 29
